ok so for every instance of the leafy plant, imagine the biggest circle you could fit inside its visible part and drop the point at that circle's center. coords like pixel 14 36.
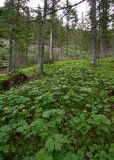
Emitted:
pixel 65 115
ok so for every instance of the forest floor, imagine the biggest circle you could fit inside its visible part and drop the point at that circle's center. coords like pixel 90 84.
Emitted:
pixel 67 114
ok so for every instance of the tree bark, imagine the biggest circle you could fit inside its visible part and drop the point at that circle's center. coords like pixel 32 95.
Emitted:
pixel 10 49
pixel 67 32
pixel 51 45
pixel 39 42
pixel 52 32
pixel 93 32
pixel 104 26
pixel 15 56
pixel 41 54
pixel 39 32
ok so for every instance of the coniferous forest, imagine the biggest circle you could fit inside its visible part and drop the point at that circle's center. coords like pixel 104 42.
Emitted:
pixel 57 80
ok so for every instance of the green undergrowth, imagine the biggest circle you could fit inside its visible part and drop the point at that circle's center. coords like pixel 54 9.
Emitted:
pixel 68 114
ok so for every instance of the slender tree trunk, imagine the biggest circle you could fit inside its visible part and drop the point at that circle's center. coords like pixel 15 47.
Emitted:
pixel 61 44
pixel 113 33
pixel 52 32
pixel 15 45
pixel 39 16
pixel 61 51
pixel 15 56
pixel 99 29
pixel 93 32
pixel 80 44
pixel 103 46
pixel 26 55
pixel 104 26
pixel 10 50
pixel 41 58
pixel 61 47
pixel 41 55
pixel 67 28
pixel 51 46
pixel 39 42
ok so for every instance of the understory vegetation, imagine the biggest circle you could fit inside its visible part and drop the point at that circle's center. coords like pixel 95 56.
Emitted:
pixel 66 114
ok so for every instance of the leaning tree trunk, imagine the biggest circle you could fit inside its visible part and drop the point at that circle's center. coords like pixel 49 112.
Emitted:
pixel 41 54
pixel 93 31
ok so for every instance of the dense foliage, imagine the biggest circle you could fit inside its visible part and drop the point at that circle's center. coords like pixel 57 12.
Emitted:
pixel 68 114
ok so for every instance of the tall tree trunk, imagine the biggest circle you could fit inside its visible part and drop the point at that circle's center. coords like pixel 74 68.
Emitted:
pixel 51 45
pixel 52 31
pixel 15 56
pixel 104 26
pixel 26 56
pixel 99 29
pixel 39 31
pixel 61 44
pixel 10 49
pixel 41 56
pixel 39 42
pixel 18 25
pixel 75 44
pixel 67 30
pixel 113 33
pixel 93 31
